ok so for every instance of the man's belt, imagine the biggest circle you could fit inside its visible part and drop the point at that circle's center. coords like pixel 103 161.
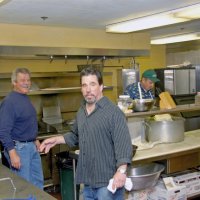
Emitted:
pixel 25 141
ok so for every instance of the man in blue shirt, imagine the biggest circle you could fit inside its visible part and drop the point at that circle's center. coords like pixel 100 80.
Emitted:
pixel 143 89
pixel 19 128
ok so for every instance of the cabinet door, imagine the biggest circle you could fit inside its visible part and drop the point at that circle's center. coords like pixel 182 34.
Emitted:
pixel 181 81
pixel 181 163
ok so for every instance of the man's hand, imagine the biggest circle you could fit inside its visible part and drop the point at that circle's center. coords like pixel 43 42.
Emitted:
pixel 119 178
pixel 37 144
pixel 47 144
pixel 14 159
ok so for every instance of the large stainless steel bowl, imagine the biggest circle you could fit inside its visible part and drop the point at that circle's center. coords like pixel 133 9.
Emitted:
pixel 145 176
pixel 141 105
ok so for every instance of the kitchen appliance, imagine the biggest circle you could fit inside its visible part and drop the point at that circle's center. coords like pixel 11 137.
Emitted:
pixel 165 131
pixel 53 118
pixel 131 75
pixel 178 81
pixel 182 84
pixel 145 176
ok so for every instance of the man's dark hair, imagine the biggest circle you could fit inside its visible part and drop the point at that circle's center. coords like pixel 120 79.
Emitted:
pixel 92 71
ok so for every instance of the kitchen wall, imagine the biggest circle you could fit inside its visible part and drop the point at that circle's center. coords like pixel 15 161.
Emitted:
pixel 21 35
pixel 43 36
pixel 25 35
pixel 178 53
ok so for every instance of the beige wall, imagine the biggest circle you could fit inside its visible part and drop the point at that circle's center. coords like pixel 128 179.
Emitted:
pixel 21 35
pixel 157 58
pixel 25 35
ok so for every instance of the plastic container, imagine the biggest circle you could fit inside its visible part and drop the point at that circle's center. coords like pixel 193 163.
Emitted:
pixel 65 165
pixel 197 98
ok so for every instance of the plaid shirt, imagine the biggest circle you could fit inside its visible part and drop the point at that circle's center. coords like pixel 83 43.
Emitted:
pixel 133 91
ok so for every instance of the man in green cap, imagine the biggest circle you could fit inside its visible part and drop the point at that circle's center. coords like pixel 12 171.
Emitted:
pixel 143 89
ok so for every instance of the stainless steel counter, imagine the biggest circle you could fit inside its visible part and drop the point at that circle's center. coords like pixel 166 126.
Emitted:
pixel 191 143
pixel 23 188
pixel 178 109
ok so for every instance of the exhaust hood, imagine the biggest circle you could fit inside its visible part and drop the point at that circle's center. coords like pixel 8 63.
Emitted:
pixel 26 52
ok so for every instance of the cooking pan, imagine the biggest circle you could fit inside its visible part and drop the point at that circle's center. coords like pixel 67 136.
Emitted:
pixel 165 131
pixel 142 105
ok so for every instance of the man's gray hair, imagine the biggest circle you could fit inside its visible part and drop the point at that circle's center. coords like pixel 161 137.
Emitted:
pixel 22 70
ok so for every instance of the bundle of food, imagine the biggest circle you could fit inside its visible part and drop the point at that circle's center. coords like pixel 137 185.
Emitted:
pixel 163 117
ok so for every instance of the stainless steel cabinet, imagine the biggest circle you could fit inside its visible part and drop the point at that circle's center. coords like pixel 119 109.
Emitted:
pixel 179 81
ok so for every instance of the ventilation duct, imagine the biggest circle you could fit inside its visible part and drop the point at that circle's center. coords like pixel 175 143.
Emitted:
pixel 25 52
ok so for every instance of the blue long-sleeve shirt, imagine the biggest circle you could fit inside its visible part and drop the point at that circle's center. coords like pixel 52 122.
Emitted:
pixel 18 120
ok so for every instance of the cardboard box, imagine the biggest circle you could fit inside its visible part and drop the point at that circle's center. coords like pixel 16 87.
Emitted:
pixel 139 194
pixel 191 181
pixel 160 192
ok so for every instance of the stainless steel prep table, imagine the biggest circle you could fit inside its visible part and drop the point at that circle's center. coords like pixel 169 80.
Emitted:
pixel 179 156
pixel 23 188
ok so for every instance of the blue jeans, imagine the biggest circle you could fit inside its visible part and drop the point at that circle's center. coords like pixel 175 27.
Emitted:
pixel 102 193
pixel 31 165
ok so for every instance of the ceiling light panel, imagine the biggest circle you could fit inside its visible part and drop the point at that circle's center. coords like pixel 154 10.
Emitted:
pixel 178 38
pixel 157 20
pixel 144 23
pixel 190 12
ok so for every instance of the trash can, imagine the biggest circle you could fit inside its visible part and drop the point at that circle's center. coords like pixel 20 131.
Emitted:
pixel 65 165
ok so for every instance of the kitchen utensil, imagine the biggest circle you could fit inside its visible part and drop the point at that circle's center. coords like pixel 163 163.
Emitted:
pixel 145 175
pixel 165 131
pixel 141 105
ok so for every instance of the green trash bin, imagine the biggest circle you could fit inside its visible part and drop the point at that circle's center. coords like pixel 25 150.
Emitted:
pixel 65 165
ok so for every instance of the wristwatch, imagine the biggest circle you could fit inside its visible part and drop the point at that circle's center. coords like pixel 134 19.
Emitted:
pixel 122 170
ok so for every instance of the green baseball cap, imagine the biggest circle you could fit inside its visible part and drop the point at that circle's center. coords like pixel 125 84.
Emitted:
pixel 150 74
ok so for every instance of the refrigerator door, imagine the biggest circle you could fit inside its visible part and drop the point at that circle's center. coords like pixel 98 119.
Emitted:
pixel 181 81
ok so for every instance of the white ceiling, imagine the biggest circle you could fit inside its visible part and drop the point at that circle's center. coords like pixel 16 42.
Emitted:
pixel 94 14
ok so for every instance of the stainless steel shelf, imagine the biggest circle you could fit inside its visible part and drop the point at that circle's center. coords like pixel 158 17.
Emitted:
pixel 55 91
pixel 49 74
pixel 179 108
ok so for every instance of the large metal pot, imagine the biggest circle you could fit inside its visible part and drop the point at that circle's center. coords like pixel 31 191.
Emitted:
pixel 165 131
pixel 145 176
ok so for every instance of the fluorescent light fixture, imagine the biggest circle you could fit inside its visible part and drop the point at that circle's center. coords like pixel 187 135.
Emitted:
pixel 176 38
pixel 3 2
pixel 156 20
pixel 191 12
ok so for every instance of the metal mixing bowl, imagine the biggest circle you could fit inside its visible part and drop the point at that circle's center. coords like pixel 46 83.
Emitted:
pixel 141 105
pixel 145 176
